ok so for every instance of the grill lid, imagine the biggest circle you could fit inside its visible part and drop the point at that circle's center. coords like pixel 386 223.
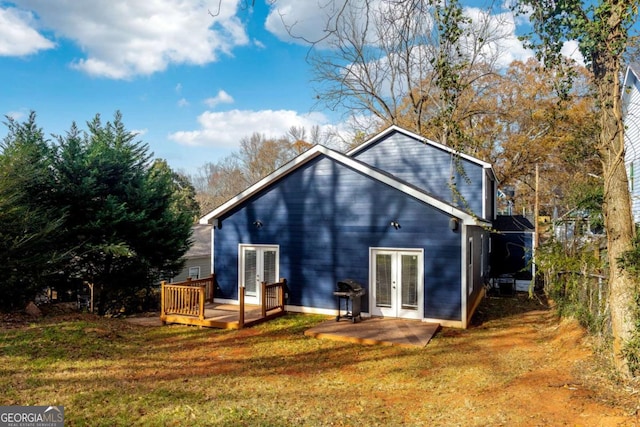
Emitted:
pixel 349 285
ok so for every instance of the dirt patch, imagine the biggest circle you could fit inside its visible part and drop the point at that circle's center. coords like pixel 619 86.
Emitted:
pixel 145 321
pixel 49 312
pixel 558 378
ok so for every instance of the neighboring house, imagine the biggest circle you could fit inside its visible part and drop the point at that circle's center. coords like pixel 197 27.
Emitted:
pixel 198 257
pixel 384 215
pixel 631 113
pixel 512 247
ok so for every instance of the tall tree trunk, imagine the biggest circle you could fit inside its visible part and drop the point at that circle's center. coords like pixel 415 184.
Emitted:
pixel 618 218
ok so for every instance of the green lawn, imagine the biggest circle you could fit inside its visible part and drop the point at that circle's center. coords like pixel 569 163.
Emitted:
pixel 108 372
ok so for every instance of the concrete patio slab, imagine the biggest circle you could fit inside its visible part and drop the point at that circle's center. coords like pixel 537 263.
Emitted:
pixel 377 331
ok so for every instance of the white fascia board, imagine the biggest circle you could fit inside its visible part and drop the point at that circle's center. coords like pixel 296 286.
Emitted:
pixel 395 128
pixel 631 73
pixel 493 175
pixel 626 86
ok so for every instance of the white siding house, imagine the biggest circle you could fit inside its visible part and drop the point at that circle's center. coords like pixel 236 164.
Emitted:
pixel 198 257
pixel 631 111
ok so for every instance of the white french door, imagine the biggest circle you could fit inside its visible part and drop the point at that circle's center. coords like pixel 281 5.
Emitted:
pixel 258 264
pixel 397 282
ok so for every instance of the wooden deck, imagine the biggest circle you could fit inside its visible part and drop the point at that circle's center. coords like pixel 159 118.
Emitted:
pixel 225 316
pixel 191 303
pixel 377 331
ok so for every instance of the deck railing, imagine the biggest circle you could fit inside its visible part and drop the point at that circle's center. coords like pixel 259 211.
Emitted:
pixel 188 299
pixel 273 296
pixel 185 300
pixel 207 282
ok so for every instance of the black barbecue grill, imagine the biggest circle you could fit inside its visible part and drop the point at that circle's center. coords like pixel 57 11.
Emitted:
pixel 350 291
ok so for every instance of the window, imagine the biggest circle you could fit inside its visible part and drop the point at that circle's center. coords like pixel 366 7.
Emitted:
pixel 194 272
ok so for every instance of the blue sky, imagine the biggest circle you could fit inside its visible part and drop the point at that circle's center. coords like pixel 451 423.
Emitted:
pixel 192 84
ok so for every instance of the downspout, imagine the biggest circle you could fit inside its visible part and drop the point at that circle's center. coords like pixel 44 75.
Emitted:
pixel 213 248
pixel 464 274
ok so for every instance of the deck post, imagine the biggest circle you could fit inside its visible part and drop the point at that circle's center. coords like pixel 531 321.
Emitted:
pixel 162 296
pixel 241 317
pixel 263 298
pixel 212 289
pixel 281 292
pixel 201 292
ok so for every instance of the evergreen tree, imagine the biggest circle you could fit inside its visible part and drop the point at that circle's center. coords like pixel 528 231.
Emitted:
pixel 29 226
pixel 124 228
pixel 90 207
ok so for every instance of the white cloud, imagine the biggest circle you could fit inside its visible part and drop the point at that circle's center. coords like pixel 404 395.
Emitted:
pixel 571 50
pixel 182 102
pixel 500 43
pixel 18 115
pixel 226 129
pixel 122 38
pixel 221 98
pixel 17 35
pixel 307 21
pixel 139 132
pixel 304 19
pixel 178 88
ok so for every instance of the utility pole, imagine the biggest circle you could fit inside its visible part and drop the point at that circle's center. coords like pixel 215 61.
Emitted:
pixel 536 220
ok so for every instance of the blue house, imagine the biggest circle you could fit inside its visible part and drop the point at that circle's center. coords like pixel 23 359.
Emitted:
pixel 406 217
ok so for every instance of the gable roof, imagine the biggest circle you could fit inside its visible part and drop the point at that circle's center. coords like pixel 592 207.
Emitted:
pixel 397 129
pixel 371 172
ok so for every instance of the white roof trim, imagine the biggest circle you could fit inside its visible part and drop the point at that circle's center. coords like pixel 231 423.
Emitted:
pixel 628 86
pixel 317 150
pixel 627 75
pixel 395 128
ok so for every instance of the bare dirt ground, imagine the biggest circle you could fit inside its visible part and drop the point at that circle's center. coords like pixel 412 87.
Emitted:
pixel 564 379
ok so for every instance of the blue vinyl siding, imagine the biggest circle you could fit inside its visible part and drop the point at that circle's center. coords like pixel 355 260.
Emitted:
pixel 325 216
pixel 430 168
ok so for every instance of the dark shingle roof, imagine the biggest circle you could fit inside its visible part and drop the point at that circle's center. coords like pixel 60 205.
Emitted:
pixel 512 223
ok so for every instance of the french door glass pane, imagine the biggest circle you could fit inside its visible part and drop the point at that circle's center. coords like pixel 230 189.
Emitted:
pixel 383 280
pixel 409 282
pixel 250 271
pixel 269 266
